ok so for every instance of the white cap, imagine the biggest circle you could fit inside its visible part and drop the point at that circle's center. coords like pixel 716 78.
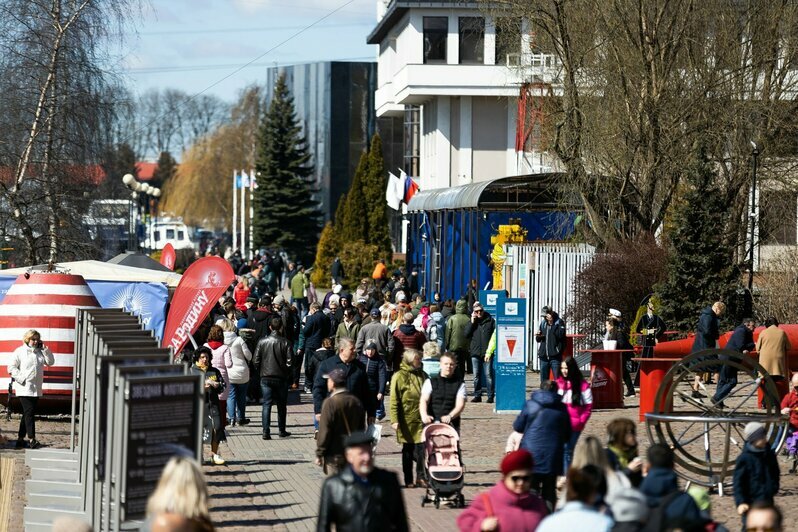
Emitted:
pixel 615 312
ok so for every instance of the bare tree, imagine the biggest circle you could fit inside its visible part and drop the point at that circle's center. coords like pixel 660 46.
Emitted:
pixel 55 99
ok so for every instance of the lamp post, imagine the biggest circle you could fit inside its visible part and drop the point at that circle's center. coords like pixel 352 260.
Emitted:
pixel 752 215
pixel 139 191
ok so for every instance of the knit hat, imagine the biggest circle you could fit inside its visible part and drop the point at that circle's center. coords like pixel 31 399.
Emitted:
pixel 337 289
pixel 754 431
pixel 629 506
pixel 279 300
pixel 517 460
pixel 371 344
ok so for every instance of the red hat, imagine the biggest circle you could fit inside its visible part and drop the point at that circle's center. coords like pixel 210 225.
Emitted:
pixel 520 459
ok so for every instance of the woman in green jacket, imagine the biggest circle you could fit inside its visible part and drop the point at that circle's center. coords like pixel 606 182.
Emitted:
pixel 405 416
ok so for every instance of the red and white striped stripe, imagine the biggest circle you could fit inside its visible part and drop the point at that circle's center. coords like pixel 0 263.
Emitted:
pixel 47 302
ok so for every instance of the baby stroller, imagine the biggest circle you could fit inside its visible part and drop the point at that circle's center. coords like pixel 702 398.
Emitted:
pixel 442 464
pixel 791 450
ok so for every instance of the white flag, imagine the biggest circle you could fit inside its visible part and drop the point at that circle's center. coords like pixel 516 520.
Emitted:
pixel 244 180
pixel 391 198
pixel 400 185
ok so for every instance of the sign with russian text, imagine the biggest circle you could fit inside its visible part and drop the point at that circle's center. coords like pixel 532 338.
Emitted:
pixel 511 347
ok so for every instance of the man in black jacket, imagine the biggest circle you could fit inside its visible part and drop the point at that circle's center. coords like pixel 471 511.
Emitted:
pixel 356 380
pixel 317 327
pixel 479 330
pixel 742 341
pixel 362 497
pixel 273 362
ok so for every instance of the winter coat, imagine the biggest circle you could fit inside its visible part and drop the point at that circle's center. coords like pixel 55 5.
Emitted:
pixel 273 357
pixel 456 340
pixel 379 334
pixel 299 284
pixel 707 331
pixel 212 421
pixel 552 342
pixel 317 328
pixel 756 475
pixel 422 320
pixel 356 382
pixel 436 329
pixel 316 358
pixel 791 401
pixel 337 270
pixel 26 367
pixel 661 482
pixel 515 512
pixel 222 360
pixel 259 321
pixel 405 397
pixel 546 426
pixel 741 339
pixel 356 506
pixel 406 337
pixel 345 331
pixel 341 414
pixel 576 515
pixel 375 372
pixel 480 332
pixel 240 294
pixel 772 346
pixel 238 373
pixel 581 413
pixel 380 272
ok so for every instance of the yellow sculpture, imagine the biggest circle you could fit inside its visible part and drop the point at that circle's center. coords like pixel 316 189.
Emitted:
pixel 512 233
pixel 497 258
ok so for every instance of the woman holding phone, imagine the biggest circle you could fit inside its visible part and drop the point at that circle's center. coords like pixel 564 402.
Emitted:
pixel 27 371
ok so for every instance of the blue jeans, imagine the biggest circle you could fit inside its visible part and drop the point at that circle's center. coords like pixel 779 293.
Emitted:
pixel 483 371
pixel 237 401
pixel 552 365
pixel 568 450
pixel 275 392
pixel 727 380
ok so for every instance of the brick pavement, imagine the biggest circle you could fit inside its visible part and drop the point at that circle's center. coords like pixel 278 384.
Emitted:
pixel 275 483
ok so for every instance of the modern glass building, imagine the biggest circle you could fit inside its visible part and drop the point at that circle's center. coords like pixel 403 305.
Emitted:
pixel 335 103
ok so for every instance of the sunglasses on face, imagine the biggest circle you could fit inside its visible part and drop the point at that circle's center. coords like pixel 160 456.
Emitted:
pixel 521 478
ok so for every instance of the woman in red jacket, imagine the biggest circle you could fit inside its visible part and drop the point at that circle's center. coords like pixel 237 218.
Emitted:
pixel 509 505
pixel 241 293
pixel 578 399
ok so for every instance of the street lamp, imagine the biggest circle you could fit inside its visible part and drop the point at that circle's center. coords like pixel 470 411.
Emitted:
pixel 145 191
pixel 752 215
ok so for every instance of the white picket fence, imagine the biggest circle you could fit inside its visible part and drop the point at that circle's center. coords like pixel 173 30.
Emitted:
pixel 544 275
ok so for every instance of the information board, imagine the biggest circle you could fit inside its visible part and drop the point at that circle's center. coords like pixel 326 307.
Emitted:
pixel 490 300
pixel 511 348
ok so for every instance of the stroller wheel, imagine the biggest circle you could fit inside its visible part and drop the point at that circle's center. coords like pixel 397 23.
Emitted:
pixel 461 500
pixel 437 503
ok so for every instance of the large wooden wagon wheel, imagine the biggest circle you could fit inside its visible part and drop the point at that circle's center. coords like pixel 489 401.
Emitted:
pixel 707 438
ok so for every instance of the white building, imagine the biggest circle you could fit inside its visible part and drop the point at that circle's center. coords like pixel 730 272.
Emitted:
pixel 456 79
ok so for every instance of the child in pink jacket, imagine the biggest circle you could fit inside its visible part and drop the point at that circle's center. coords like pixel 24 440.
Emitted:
pixel 579 404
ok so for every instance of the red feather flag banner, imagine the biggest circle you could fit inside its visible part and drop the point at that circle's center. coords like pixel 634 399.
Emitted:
pixel 200 287
pixel 168 256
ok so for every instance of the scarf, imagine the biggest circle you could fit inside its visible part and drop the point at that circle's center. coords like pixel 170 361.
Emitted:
pixel 213 344
pixel 624 455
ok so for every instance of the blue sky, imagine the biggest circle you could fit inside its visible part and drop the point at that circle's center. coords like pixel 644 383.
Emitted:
pixel 193 44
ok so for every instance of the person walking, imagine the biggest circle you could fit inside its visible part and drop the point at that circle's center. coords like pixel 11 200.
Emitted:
pixel 742 341
pixel 551 344
pixel 509 504
pixel 376 374
pixel 443 397
pixel 337 271
pixel 273 360
pixel 237 374
pixel 341 414
pixel 299 290
pixel 479 331
pixel 362 497
pixel 221 360
pixel 455 339
pixel 772 346
pixel 546 427
pixel 706 336
pixel 379 333
pixel 405 416
pixel 317 327
pixel 578 399
pixel 213 429
pixel 756 470
pixel 356 380
pixel 26 369
pixel 407 337
pixel 349 327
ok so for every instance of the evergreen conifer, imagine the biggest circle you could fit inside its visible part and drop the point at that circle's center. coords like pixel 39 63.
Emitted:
pixel 374 191
pixel 286 214
pixel 699 270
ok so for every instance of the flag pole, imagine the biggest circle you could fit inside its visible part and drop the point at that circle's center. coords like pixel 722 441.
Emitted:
pixel 235 213
pixel 251 213
pixel 243 218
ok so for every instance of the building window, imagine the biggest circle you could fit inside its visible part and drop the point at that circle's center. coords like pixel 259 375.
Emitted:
pixel 777 217
pixel 508 41
pixel 436 30
pixel 472 40
pixel 412 137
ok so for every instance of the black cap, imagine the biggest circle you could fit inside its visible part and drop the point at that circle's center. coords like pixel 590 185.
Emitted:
pixel 358 438
pixel 375 312
pixel 337 375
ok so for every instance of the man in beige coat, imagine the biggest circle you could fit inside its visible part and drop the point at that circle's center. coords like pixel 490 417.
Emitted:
pixel 772 346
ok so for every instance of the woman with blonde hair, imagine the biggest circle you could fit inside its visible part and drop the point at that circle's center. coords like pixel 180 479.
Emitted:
pixel 27 371
pixel 405 416
pixel 180 496
pixel 237 374
pixel 589 451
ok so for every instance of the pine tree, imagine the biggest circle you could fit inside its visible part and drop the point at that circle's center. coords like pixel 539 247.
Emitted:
pixel 374 186
pixel 326 251
pixel 166 170
pixel 355 217
pixel 286 214
pixel 338 220
pixel 699 270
